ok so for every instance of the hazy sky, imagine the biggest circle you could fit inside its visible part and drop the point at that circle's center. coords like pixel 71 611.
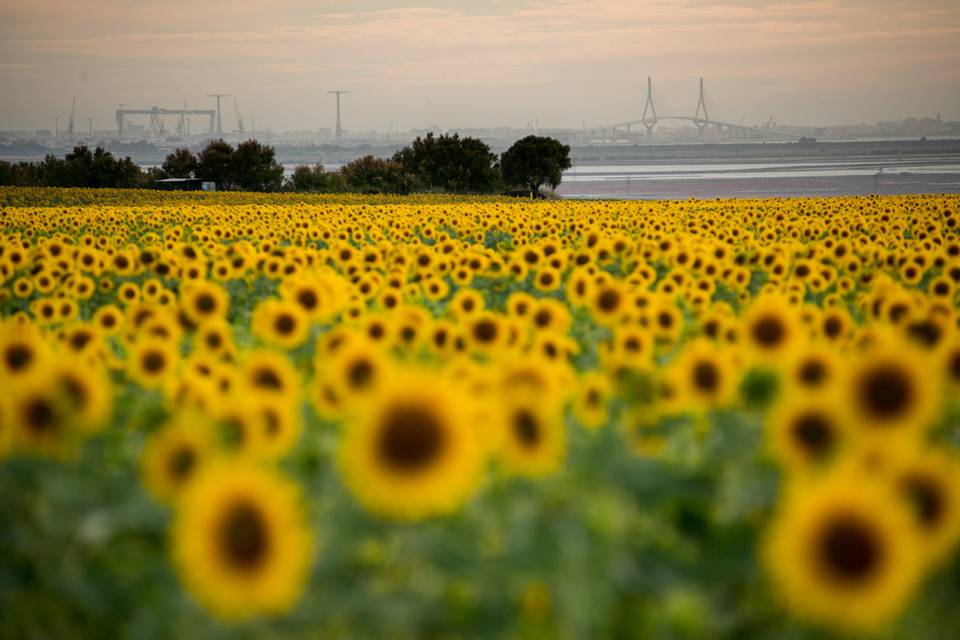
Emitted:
pixel 469 63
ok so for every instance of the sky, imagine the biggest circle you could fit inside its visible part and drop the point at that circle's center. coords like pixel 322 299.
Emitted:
pixel 464 64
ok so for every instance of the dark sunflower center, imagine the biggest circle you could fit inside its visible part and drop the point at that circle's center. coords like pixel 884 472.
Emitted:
pixel 214 340
pixel 410 439
pixel 266 378
pixel 75 389
pixel 541 318
pixel 284 324
pixel 485 331
pixel 181 463
pixel 769 332
pixel 244 537
pixel 813 372
pixel 307 299
pixel 80 339
pixel 885 392
pixel 927 498
pixel 153 362
pixel 954 367
pixel 360 374
pixel 40 416
pixel 850 550
pixel 608 300
pixel 706 377
pixel 832 327
pixel 205 303
pixel 526 427
pixel 18 357
pixel 814 432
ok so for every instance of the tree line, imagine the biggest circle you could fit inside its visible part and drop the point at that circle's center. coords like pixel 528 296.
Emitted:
pixel 444 164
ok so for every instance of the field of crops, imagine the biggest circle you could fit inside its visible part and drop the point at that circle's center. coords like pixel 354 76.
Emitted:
pixel 341 417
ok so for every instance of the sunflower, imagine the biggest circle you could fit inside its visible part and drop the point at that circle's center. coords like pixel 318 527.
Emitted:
pixel 109 319
pixel 890 393
pixel 86 390
pixel 607 302
pixel 703 375
pixel 811 367
pixel 202 301
pixel 41 420
pixel 174 455
pixel 414 451
pixel 357 370
pixel 240 541
pixel 214 337
pixel 591 399
pixel 280 425
pixel 23 351
pixel 280 323
pixel 533 436
pixel 951 364
pixel 486 332
pixel 806 430
pixel 930 482
pixel 770 328
pixel 270 372
pixel 549 315
pixel 151 361
pixel 843 552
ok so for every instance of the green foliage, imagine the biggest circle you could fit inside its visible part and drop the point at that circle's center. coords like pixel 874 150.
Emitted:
pixel 450 163
pixel 374 175
pixel 535 161
pixel 316 179
pixel 180 164
pixel 79 168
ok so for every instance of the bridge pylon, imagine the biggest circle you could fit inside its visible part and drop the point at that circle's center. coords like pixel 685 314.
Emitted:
pixel 648 107
pixel 701 122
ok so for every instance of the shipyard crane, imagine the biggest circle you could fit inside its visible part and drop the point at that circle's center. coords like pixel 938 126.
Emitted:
pixel 239 119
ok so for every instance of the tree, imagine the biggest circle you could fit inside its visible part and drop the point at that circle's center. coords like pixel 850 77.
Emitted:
pixel 255 167
pixel 316 179
pixel 534 161
pixel 180 164
pixel 373 175
pixel 451 163
pixel 215 164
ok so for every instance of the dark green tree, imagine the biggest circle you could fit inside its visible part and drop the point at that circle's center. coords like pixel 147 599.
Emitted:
pixel 315 179
pixel 256 168
pixel 535 161
pixel 450 163
pixel 215 164
pixel 374 175
pixel 180 164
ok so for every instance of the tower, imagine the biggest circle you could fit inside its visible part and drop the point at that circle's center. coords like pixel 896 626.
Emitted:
pixel 219 119
pixel 648 106
pixel 339 131
pixel 701 106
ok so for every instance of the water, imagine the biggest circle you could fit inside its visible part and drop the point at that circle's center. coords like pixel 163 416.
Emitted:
pixel 733 171
pixel 887 175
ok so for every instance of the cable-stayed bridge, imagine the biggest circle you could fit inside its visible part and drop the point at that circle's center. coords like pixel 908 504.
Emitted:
pixel 700 118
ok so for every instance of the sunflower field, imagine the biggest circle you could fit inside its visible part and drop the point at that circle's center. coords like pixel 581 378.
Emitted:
pixel 250 415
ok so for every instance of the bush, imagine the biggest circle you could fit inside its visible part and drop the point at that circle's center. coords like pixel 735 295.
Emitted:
pixel 374 175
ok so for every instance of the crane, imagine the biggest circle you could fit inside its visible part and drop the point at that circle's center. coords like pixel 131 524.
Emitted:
pixel 73 112
pixel 239 119
pixel 183 122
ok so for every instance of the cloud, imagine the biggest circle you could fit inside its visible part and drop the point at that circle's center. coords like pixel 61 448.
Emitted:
pixel 401 49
